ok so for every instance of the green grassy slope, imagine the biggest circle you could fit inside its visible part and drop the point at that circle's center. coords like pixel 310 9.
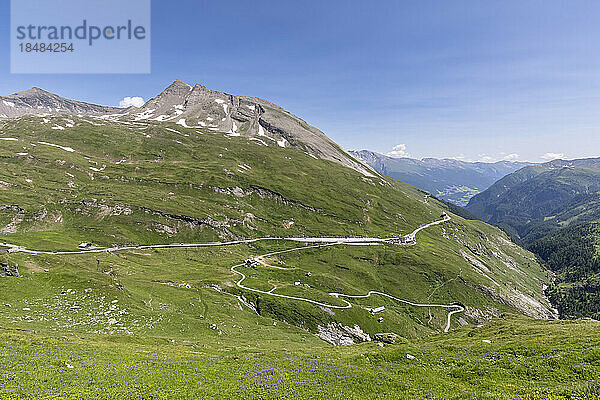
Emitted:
pixel 162 183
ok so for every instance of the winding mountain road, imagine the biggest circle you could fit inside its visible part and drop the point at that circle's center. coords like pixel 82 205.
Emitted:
pixel 12 248
pixel 454 308
pixel 321 242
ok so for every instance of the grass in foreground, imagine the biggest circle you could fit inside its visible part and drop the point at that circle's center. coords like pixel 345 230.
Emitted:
pixel 510 358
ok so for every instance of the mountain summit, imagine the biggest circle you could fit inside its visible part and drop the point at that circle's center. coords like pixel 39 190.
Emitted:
pixel 39 101
pixel 267 123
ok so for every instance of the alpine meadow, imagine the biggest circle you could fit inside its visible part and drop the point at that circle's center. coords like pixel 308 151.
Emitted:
pixel 299 200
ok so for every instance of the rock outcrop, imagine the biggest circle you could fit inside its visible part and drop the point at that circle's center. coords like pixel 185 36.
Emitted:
pixel 340 335
pixel 7 270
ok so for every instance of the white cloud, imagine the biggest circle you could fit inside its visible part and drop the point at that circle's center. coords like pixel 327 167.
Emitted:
pixel 131 101
pixel 552 156
pixel 511 157
pixel 486 158
pixel 398 151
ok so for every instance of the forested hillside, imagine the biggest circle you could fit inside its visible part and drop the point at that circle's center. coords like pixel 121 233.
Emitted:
pixel 572 253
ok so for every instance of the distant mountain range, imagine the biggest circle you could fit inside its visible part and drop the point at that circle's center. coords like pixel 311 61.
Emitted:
pixel 452 180
pixel 536 200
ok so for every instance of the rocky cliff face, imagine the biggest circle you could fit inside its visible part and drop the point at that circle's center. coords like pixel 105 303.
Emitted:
pixel 38 101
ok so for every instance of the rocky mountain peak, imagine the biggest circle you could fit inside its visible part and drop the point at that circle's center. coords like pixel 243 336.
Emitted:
pixel 34 91
pixel 178 83
pixel 178 87
pixel 39 101
pixel 200 107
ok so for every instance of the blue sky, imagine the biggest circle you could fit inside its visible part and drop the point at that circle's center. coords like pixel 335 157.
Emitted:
pixel 474 79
